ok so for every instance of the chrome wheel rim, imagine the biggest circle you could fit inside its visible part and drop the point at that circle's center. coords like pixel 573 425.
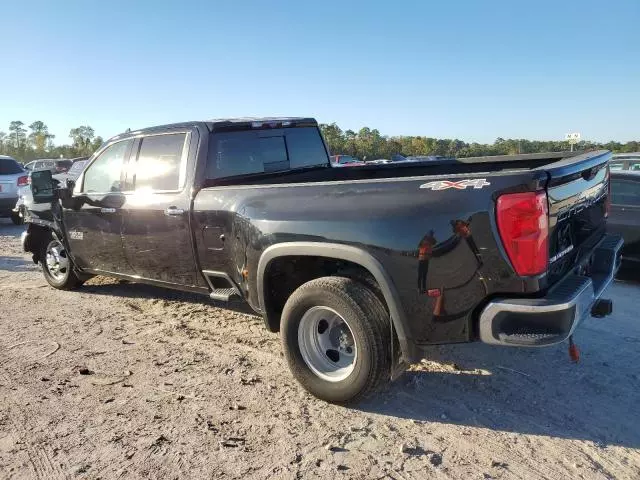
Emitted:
pixel 57 261
pixel 327 344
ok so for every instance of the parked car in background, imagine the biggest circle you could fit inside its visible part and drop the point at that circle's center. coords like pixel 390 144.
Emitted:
pixel 12 176
pixel 379 161
pixel 624 217
pixel 77 165
pixel 426 158
pixel 55 165
pixel 345 161
pixel 625 161
pixel 25 198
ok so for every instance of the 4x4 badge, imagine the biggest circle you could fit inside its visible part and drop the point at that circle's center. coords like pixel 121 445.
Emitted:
pixel 461 185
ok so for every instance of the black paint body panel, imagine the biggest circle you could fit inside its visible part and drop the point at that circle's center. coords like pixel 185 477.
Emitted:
pixel 383 211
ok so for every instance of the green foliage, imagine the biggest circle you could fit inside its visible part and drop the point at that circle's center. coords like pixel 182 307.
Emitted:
pixel 39 142
pixel 368 144
pixel 40 138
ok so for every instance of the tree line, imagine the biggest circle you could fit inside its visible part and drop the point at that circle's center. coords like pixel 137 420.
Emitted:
pixel 26 143
pixel 368 144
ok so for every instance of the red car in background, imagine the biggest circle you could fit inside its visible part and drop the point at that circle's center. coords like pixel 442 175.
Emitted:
pixel 345 161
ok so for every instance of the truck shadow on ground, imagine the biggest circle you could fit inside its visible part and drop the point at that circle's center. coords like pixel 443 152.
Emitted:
pixel 125 289
pixel 8 229
pixel 16 264
pixel 520 391
pixel 537 392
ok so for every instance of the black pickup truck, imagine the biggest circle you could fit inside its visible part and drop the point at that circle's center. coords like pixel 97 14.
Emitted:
pixel 358 268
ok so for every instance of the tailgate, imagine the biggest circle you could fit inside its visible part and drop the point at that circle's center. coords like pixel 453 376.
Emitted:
pixel 578 190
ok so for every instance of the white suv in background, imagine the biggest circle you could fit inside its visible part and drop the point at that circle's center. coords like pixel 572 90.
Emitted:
pixel 12 176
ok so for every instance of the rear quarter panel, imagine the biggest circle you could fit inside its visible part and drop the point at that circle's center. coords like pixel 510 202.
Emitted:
pixel 387 218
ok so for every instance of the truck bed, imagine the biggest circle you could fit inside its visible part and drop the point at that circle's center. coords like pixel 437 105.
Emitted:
pixel 448 167
pixel 388 210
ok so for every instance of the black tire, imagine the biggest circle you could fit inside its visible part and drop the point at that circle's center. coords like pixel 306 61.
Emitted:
pixel 66 281
pixel 16 219
pixel 368 322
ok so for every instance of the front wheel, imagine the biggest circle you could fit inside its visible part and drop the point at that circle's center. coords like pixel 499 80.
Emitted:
pixel 57 267
pixel 336 337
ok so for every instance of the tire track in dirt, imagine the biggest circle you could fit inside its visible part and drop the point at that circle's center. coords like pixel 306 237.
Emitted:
pixel 39 457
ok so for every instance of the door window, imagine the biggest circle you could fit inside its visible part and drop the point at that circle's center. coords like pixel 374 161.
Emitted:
pixel 159 165
pixel 625 192
pixel 104 174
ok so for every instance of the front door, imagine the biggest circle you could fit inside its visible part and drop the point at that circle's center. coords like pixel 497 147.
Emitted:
pixel 94 230
pixel 157 232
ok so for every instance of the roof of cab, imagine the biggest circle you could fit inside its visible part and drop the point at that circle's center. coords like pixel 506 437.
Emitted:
pixel 216 123
pixel 238 122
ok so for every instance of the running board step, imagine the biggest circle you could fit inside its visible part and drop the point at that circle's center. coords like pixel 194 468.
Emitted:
pixel 223 294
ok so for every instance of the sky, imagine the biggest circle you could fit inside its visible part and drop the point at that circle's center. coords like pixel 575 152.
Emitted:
pixel 473 70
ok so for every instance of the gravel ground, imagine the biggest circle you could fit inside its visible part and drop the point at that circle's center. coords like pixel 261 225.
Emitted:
pixel 118 380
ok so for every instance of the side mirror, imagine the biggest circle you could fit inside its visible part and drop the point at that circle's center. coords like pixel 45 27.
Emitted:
pixel 42 186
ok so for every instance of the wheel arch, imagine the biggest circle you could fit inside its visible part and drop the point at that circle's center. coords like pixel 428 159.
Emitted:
pixel 347 253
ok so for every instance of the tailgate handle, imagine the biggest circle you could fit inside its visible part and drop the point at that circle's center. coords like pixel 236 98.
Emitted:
pixel 173 211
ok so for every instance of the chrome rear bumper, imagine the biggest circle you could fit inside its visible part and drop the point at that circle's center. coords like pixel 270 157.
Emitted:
pixel 545 321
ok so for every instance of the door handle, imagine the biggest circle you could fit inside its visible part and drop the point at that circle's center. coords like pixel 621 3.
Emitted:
pixel 173 211
pixel 107 210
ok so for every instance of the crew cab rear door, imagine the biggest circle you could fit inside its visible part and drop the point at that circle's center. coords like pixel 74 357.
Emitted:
pixel 156 232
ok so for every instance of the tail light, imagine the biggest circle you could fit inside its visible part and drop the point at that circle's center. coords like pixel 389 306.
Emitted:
pixel 523 224
pixel 23 181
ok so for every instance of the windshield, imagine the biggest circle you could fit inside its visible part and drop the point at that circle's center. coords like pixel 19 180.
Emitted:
pixel 9 166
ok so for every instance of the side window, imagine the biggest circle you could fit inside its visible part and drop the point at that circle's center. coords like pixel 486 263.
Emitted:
pixel 616 166
pixel 104 173
pixel 305 147
pixel 242 153
pixel 625 192
pixel 159 162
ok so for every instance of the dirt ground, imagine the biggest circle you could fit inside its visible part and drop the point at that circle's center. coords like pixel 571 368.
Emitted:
pixel 118 380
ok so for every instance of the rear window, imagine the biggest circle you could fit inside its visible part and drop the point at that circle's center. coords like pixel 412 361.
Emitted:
pixel 258 151
pixel 9 167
